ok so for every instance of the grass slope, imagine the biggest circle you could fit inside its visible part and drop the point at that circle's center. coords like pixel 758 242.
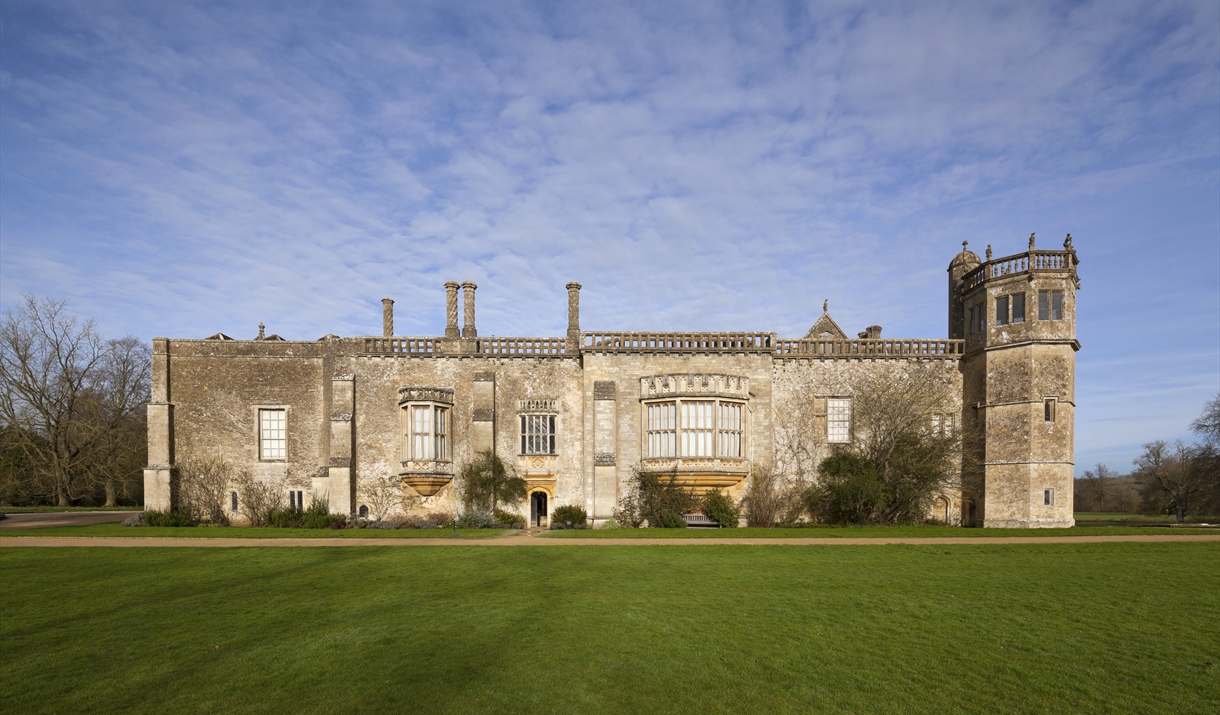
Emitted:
pixel 248 532
pixel 1032 628
pixel 864 532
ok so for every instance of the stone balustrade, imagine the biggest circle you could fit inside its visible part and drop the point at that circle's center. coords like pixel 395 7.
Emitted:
pixel 400 346
pixel 865 348
pixel 618 342
pixel 523 347
pixel 1032 261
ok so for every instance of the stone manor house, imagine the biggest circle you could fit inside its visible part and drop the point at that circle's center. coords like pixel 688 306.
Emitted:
pixel 328 418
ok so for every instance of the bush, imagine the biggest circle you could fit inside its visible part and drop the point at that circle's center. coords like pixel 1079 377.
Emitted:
pixel 850 491
pixel 437 520
pixel 668 520
pixel 287 518
pixel 384 524
pixel 487 482
pixel 318 516
pixel 658 493
pixel 610 524
pixel 475 520
pixel 721 508
pixel 169 518
pixel 569 513
pixel 136 519
pixel 507 517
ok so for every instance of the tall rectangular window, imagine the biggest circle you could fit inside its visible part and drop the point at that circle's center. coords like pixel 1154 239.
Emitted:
pixel 1050 305
pixel 440 416
pixel 421 432
pixel 1018 308
pixel 730 430
pixel 1001 311
pixel 272 442
pixel 1048 497
pixel 234 502
pixel 698 426
pixel 537 434
pixel 663 430
pixel 1048 410
pixel 838 420
pixel 973 310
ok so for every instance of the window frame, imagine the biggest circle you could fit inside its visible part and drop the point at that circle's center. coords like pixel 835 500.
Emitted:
pixel 848 433
pixel 529 437
pixel 1017 316
pixel 436 437
pixel 261 444
pixel 1001 316
pixel 1050 406
pixel 1048 496
pixel 665 427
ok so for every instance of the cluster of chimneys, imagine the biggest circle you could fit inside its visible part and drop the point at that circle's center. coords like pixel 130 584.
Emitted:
pixel 468 330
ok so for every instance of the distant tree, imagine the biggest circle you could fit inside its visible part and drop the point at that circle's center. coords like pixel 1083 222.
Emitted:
pixel 486 482
pixel 1173 482
pixel 1207 425
pixel 71 403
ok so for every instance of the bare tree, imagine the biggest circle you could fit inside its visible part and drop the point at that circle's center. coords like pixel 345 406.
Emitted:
pixel 385 494
pixel 1208 424
pixel 114 411
pixel 1172 472
pixel 48 362
pixel 203 488
pixel 257 497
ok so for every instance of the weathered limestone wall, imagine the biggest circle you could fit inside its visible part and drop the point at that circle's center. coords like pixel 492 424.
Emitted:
pixel 479 383
pixel 801 386
pixel 1011 373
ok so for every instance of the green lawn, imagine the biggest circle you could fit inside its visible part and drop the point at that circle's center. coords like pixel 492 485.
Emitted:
pixel 1097 628
pixel 47 509
pixel 861 532
pixel 247 532
pixel 115 529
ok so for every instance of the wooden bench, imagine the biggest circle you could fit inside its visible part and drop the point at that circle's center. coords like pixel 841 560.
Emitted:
pixel 700 521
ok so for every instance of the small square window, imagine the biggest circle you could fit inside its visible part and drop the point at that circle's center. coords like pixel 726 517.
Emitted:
pixel 1001 311
pixel 1048 497
pixel 1018 308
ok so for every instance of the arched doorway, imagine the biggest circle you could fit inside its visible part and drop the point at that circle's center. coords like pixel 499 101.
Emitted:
pixel 940 510
pixel 537 508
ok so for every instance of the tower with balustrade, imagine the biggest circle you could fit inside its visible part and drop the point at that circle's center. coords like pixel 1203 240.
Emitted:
pixel 1017 315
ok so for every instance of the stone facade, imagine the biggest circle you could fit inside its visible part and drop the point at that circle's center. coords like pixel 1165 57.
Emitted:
pixel 575 414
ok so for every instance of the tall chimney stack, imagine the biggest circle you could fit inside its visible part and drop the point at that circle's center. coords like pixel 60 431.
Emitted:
pixel 468 329
pixel 387 317
pixel 573 316
pixel 451 324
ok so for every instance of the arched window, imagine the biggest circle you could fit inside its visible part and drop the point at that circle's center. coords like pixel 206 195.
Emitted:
pixel 364 511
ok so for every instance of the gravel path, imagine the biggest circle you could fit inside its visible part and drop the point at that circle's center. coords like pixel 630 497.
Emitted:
pixel 141 542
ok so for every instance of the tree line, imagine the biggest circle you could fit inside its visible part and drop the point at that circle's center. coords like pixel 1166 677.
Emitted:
pixel 73 424
pixel 1177 478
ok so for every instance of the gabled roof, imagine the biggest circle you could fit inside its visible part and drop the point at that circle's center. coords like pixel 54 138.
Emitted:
pixel 825 324
pixel 218 336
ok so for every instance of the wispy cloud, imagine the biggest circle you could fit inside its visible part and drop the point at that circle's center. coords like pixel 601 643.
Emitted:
pixel 181 169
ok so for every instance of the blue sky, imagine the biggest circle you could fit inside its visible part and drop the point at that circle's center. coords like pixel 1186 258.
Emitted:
pixel 182 168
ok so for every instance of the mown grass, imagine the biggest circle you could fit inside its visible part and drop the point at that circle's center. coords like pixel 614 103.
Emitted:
pixel 239 532
pixel 1098 628
pixel 864 532
pixel 48 509
pixel 250 532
